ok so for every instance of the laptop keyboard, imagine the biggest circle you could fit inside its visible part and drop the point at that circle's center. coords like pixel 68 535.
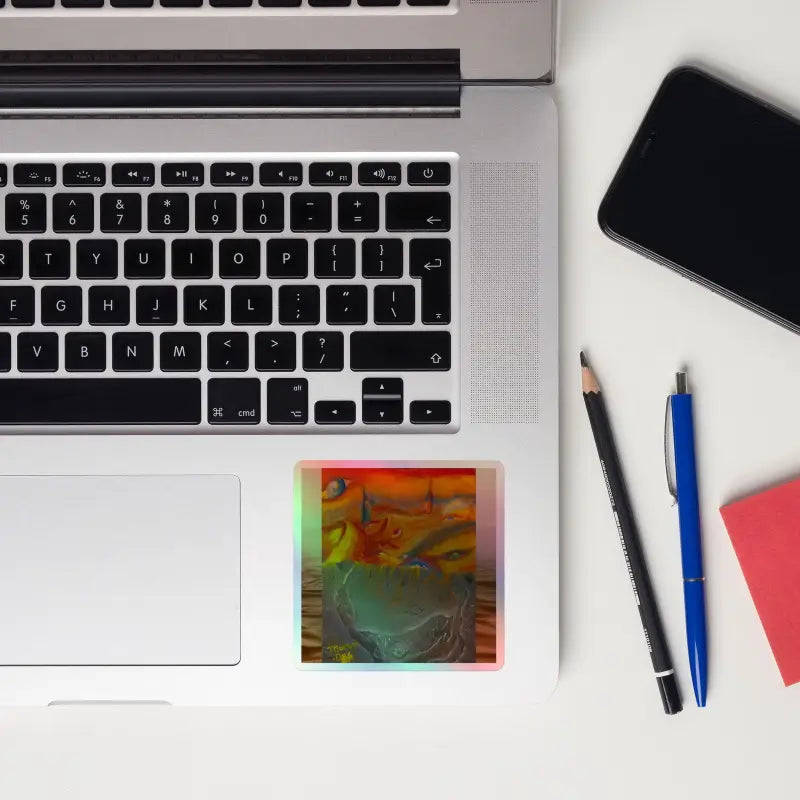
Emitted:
pixel 286 5
pixel 271 294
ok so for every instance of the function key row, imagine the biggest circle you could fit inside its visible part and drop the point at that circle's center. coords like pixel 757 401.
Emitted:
pixel 169 212
pixel 434 173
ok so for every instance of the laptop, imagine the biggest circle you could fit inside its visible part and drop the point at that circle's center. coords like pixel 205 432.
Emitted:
pixel 278 353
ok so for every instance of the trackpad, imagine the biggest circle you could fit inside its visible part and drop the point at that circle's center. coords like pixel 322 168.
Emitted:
pixel 100 570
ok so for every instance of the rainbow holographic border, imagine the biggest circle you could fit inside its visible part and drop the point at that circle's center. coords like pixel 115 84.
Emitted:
pixel 489 474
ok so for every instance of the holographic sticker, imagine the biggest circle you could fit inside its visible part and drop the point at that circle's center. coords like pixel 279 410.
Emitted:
pixel 399 564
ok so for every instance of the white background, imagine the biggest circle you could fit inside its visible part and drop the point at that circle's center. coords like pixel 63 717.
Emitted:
pixel 603 733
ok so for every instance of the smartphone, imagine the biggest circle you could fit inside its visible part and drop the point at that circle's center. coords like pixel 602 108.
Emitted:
pixel 710 187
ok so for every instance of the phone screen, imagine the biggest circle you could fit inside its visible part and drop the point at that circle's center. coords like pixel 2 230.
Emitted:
pixel 711 185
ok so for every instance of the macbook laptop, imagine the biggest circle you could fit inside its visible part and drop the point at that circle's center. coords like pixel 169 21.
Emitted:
pixel 278 366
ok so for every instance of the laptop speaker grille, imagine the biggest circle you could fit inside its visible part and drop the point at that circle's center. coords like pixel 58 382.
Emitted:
pixel 504 292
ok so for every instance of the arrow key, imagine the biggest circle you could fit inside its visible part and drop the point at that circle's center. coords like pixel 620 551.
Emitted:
pixel 334 412
pixel 228 352
pixel 382 412
pixel 430 412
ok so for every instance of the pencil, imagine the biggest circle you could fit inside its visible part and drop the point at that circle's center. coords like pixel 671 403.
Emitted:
pixel 629 538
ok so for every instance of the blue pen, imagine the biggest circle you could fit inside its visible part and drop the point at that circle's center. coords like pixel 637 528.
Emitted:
pixel 689 519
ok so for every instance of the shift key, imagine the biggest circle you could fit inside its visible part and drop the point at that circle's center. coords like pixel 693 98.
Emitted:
pixel 392 351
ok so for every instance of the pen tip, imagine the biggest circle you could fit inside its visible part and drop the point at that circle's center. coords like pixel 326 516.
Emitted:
pixel 584 362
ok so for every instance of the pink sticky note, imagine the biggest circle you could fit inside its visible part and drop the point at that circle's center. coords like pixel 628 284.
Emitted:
pixel 765 532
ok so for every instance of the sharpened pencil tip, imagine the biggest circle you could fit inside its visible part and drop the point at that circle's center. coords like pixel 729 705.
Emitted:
pixel 584 362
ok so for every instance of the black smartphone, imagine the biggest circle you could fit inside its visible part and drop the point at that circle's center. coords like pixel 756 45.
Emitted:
pixel 710 186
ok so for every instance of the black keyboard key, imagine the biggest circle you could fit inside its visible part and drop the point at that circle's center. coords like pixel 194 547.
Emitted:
pixel 5 352
pixel 394 305
pixel 3 175
pixel 120 213
pixel 26 213
pixel 276 352
pixel 156 305
pixel 182 174
pixel 383 173
pixel 100 401
pixel 84 174
pixel 298 305
pixel 327 3
pixel 323 351
pixel 37 352
pixel 287 401
pixel 10 259
pixel 382 258
pixel 204 305
pixel 240 258
pixel 133 174
pixel 418 211
pixel 382 412
pixel 109 305
pixel 428 173
pixel 346 305
pixel 262 212
pixel 62 305
pixel 33 3
pixel 310 211
pixel 390 351
pixel 180 352
pixel 192 258
pixel 429 260
pixel 251 305
pixel 430 412
pixel 330 174
pixel 334 412
pixel 132 352
pixel 382 389
pixel 17 305
pixel 231 3
pixel 73 213
pixel 240 174
pixel 35 175
pixel 280 173
pixel 379 2
pixel 85 352
pixel 49 258
pixel 181 3
pixel 228 352
pixel 234 401
pixel 334 258
pixel 287 258
pixel 215 212
pixel 145 258
pixel 131 3
pixel 358 211
pixel 279 3
pixel 97 259
pixel 168 213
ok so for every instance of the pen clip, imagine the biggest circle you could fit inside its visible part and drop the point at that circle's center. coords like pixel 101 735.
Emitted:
pixel 667 461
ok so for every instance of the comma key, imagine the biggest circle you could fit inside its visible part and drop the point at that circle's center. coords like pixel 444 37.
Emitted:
pixel 234 401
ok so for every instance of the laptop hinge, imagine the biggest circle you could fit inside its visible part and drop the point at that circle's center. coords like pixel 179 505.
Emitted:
pixel 229 82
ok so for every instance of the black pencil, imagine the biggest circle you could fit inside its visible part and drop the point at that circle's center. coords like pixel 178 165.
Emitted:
pixel 629 537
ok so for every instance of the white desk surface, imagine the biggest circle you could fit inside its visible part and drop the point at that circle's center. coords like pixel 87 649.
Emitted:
pixel 603 733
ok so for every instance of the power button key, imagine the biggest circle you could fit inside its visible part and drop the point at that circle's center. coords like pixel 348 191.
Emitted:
pixel 429 173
